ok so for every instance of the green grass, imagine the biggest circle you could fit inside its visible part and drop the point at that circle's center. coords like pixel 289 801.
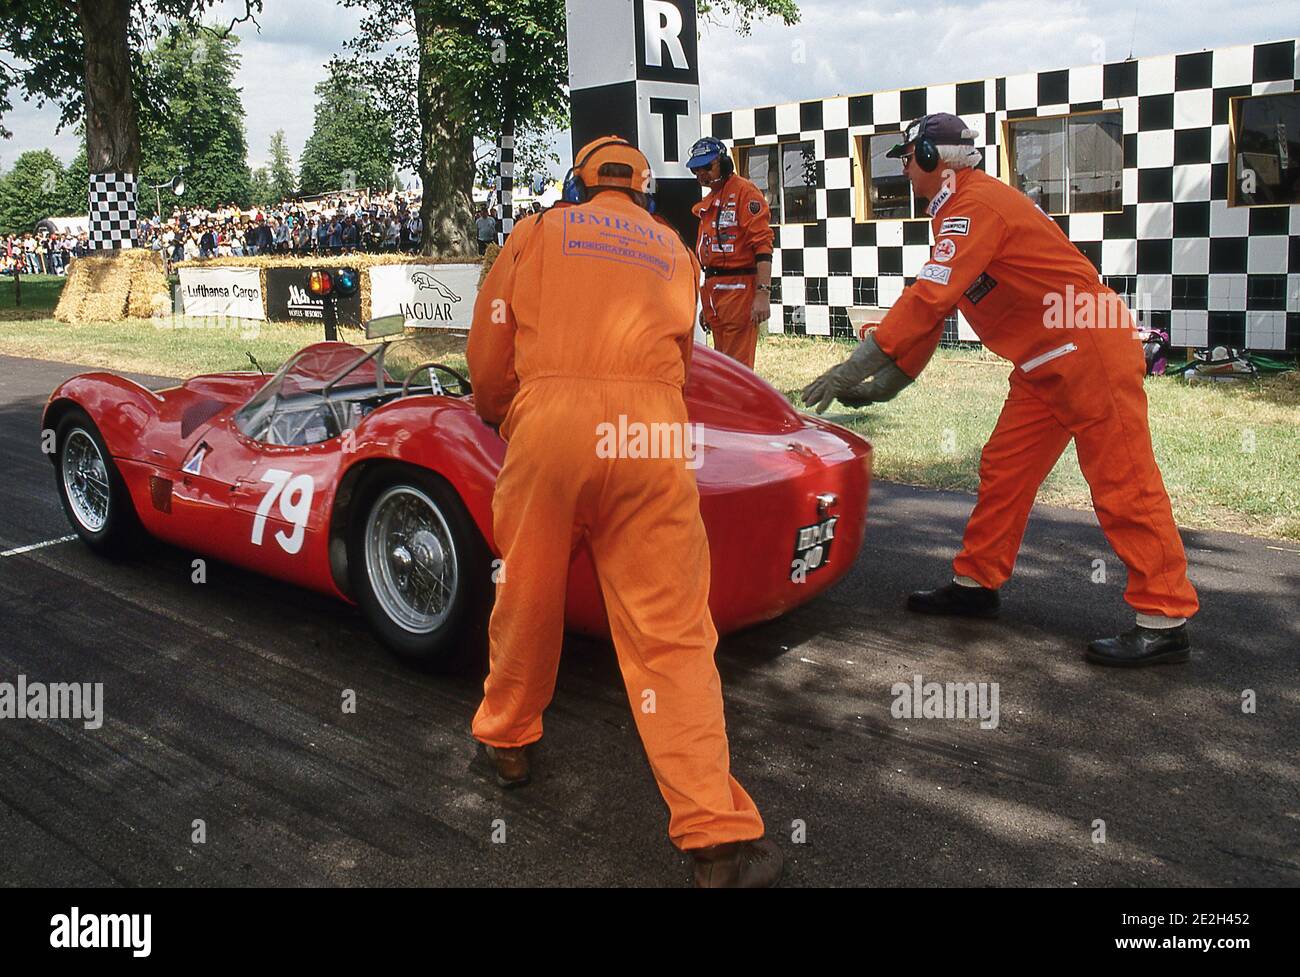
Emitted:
pixel 183 347
pixel 40 294
pixel 1230 456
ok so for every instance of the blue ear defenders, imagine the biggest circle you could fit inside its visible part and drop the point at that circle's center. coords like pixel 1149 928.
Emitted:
pixel 575 190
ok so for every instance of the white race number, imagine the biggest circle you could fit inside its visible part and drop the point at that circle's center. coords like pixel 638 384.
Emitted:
pixel 294 493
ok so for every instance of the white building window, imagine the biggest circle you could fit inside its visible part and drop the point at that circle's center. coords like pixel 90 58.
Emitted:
pixel 1069 164
pixel 787 175
pixel 1265 150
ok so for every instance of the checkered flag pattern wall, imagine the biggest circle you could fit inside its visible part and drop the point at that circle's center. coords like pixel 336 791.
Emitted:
pixel 1188 260
pixel 505 188
pixel 112 211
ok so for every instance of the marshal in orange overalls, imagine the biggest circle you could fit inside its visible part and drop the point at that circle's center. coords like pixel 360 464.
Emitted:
pixel 1033 298
pixel 735 234
pixel 587 317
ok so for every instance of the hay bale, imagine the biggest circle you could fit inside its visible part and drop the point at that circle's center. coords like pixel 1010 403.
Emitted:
pixel 109 286
pixel 489 258
pixel 148 294
pixel 351 259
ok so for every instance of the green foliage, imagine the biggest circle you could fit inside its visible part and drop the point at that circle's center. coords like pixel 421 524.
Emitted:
pixel 261 194
pixel 533 157
pixel 199 127
pixel 743 13
pixel 283 182
pixel 45 53
pixel 73 188
pixel 501 59
pixel 31 191
pixel 351 144
pixel 494 57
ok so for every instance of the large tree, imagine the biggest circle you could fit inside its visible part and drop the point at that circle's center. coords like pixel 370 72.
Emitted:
pixel 351 144
pixel 199 126
pixel 283 181
pixel 451 72
pixel 31 191
pixel 87 57
pixel 261 193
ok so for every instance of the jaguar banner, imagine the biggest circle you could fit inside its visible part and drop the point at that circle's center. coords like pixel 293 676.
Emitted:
pixel 435 296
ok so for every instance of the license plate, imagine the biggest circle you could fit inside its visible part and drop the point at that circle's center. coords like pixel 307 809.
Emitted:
pixel 812 548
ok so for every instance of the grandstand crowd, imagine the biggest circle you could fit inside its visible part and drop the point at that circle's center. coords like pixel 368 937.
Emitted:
pixel 332 224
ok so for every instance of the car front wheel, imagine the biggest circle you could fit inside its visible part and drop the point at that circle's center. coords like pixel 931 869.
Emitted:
pixel 418 567
pixel 94 497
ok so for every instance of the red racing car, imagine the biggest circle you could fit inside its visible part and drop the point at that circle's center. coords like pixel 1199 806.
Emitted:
pixel 335 476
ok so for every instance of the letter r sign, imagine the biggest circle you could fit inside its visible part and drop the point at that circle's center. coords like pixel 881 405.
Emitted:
pixel 666 41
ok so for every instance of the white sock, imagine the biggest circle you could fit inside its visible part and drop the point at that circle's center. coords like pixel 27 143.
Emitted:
pixel 1159 622
pixel 966 582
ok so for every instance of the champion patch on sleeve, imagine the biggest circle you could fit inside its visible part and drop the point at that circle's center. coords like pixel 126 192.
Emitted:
pixel 954 225
pixel 935 273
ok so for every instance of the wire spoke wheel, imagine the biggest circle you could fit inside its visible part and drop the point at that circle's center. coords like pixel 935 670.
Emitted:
pixel 85 480
pixel 411 559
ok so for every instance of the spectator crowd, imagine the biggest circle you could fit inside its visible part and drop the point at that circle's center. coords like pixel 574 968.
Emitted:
pixel 375 223
pixel 41 253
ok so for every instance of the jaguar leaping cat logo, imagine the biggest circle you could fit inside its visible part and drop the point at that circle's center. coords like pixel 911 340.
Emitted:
pixel 422 279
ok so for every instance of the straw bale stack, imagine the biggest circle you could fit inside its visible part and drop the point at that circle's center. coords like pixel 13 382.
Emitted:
pixel 114 285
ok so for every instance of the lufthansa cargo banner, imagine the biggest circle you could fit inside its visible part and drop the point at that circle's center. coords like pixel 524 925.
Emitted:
pixel 438 296
pixel 235 293
pixel 287 299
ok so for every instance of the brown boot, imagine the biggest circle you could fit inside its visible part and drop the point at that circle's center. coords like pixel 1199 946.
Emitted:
pixel 740 865
pixel 511 765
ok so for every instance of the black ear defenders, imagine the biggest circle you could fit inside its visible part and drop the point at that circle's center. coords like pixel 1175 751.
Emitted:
pixel 926 153
pixel 728 165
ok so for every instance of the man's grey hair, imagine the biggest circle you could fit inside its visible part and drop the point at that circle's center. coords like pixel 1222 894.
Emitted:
pixel 960 157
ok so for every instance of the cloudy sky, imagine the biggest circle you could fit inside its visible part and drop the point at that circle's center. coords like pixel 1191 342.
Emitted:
pixel 839 47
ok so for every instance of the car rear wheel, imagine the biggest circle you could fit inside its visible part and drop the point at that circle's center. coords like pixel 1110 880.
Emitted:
pixel 418 567
pixel 94 497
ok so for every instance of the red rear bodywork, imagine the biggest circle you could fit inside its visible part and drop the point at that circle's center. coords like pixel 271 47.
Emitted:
pixel 762 470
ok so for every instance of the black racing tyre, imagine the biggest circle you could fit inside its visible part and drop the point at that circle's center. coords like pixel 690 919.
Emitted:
pixel 94 497
pixel 418 568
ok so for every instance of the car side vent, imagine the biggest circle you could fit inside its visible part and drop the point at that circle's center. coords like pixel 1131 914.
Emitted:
pixel 160 491
pixel 198 413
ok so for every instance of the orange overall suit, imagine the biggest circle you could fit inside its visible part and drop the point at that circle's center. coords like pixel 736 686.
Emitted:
pixel 1033 298
pixel 735 234
pixel 586 320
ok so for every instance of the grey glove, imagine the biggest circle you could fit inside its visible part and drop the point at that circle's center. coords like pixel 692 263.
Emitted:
pixel 868 376
pixel 885 385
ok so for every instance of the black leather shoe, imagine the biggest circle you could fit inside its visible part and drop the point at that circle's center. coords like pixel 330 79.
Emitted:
pixel 956 600
pixel 1142 646
pixel 739 865
pixel 511 765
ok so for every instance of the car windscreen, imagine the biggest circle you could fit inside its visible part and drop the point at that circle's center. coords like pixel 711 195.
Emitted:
pixel 310 372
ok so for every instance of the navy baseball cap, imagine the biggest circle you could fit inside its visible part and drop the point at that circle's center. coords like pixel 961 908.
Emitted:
pixel 941 128
pixel 704 152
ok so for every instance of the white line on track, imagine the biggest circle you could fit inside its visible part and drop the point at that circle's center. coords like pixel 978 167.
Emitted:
pixel 19 551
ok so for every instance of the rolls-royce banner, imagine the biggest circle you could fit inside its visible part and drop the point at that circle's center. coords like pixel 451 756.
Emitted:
pixel 235 293
pixel 287 299
pixel 440 296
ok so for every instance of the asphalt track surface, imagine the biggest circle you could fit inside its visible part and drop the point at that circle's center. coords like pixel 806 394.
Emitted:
pixel 222 703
